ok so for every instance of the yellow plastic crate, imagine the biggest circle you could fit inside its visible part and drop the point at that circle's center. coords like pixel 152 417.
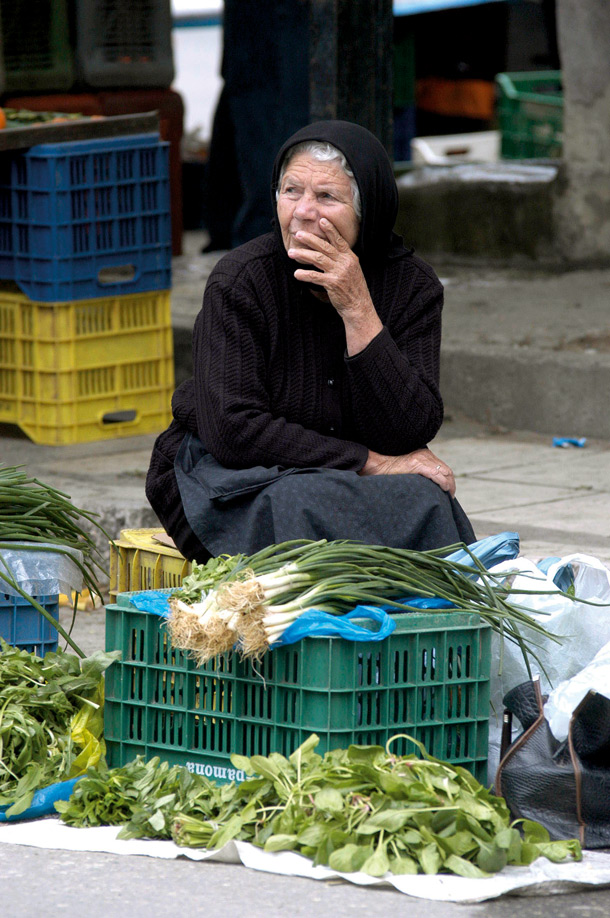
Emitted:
pixel 87 369
pixel 138 562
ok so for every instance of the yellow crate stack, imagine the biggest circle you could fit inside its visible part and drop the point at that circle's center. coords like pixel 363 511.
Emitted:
pixel 139 562
pixel 85 370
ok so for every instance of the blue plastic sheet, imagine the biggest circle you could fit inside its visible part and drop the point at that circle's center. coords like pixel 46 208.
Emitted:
pixel 154 601
pixel 43 802
pixel 314 623
pixel 490 551
pixel 493 550
pixel 569 441
pixel 564 575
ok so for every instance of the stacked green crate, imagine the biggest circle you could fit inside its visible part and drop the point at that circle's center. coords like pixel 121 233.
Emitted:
pixel 530 114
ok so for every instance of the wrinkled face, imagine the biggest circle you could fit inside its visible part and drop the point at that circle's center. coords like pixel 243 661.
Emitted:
pixel 310 190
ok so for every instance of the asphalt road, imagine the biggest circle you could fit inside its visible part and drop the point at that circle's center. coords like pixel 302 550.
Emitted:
pixel 78 884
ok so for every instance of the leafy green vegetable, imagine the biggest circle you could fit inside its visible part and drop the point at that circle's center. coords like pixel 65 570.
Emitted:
pixel 51 720
pixel 360 808
pixel 204 577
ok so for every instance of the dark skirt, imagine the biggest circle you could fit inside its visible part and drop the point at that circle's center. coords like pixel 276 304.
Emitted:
pixel 244 510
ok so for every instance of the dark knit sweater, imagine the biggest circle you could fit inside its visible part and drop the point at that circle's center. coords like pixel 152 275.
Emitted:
pixel 272 383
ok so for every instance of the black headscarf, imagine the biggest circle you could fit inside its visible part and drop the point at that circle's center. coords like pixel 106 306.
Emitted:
pixel 374 175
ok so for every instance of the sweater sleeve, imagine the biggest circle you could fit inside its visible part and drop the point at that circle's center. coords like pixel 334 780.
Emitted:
pixel 396 401
pixel 235 418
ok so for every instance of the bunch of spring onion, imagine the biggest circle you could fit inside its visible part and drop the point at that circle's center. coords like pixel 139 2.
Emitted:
pixel 37 517
pixel 246 603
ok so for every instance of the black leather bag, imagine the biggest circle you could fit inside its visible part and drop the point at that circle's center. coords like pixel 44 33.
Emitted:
pixel 565 785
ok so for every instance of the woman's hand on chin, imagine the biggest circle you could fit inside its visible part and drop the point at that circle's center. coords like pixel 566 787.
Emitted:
pixel 419 462
pixel 339 274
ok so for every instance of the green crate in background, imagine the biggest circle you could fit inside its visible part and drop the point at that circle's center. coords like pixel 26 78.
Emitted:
pixel 404 70
pixel 530 114
pixel 429 678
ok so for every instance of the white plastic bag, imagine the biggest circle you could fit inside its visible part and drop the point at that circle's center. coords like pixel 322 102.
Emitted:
pixel 566 697
pixel 583 628
pixel 41 573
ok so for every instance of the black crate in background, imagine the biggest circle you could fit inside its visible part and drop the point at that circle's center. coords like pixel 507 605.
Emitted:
pixel 35 42
pixel 122 44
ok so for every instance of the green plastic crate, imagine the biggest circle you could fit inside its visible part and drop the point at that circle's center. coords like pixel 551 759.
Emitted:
pixel 530 114
pixel 429 679
pixel 404 70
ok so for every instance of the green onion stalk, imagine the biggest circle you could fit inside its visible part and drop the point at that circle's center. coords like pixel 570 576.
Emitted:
pixel 37 517
pixel 253 600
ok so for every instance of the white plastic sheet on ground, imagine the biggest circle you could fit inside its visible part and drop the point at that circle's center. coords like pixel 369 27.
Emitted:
pixel 542 878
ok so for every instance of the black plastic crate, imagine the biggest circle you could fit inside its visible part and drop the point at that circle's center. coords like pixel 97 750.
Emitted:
pixel 124 45
pixel 36 49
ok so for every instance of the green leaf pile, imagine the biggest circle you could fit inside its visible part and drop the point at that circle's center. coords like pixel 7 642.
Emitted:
pixel 50 720
pixel 204 577
pixel 355 809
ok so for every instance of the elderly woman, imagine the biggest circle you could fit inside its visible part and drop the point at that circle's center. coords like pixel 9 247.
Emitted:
pixel 316 364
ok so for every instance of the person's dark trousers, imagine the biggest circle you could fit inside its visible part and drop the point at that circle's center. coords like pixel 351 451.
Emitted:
pixel 223 187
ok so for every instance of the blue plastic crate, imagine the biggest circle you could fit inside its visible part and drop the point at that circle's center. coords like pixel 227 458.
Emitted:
pixel 23 626
pixel 86 219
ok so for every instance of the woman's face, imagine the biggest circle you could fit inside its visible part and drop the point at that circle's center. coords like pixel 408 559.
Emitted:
pixel 310 190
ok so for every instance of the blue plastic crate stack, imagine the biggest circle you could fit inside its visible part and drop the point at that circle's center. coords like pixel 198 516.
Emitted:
pixel 85 336
pixel 87 218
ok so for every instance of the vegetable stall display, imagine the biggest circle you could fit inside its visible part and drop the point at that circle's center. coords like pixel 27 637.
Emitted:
pixel 248 602
pixel 356 809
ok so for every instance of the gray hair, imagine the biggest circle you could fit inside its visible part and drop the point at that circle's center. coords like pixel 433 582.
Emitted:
pixel 323 152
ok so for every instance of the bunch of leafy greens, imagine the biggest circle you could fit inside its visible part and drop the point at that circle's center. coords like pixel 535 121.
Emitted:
pixel 205 577
pixel 143 797
pixel 358 809
pixel 51 720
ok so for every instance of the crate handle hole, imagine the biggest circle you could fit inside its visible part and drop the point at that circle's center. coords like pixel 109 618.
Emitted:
pixel 119 417
pixel 117 274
